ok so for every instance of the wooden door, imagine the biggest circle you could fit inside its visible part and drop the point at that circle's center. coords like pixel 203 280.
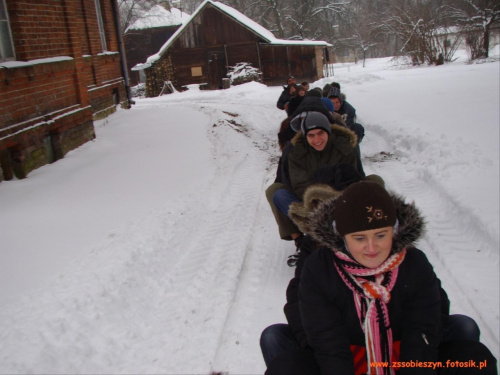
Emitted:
pixel 216 69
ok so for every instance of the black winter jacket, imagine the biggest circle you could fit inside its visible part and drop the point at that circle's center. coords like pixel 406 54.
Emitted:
pixel 348 112
pixel 284 98
pixel 418 307
pixel 331 322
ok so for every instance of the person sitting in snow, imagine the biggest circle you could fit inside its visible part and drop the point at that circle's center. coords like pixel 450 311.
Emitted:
pixel 347 111
pixel 368 295
pixel 343 96
pixel 317 143
pixel 296 99
pixel 312 101
pixel 285 96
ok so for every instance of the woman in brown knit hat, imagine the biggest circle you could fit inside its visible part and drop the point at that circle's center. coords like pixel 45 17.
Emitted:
pixel 370 301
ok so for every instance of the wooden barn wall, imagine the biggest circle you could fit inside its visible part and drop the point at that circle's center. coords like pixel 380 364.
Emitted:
pixel 245 52
pixel 279 62
pixel 140 44
pixel 212 41
pixel 220 29
pixel 185 60
pixel 275 64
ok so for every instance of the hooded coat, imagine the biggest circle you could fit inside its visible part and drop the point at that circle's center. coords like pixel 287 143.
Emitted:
pixel 348 112
pixel 328 314
pixel 284 98
pixel 301 161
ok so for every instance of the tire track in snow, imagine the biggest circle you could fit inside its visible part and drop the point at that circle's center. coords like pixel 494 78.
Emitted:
pixel 264 274
pixel 454 240
pixel 206 281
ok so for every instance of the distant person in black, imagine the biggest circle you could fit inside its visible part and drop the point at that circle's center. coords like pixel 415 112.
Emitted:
pixel 285 96
pixel 347 111
pixel 296 99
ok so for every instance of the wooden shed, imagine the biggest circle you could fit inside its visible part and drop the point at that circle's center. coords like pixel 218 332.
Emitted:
pixel 148 34
pixel 217 37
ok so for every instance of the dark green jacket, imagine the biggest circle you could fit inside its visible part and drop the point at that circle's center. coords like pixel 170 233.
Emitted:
pixel 303 161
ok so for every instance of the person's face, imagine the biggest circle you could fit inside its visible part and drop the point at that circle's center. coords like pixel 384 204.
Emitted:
pixel 306 87
pixel 291 81
pixel 370 248
pixel 317 139
pixel 336 103
pixel 302 92
pixel 292 89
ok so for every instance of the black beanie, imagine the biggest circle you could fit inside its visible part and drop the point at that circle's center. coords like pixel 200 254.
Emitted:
pixel 334 93
pixel 310 120
pixel 364 206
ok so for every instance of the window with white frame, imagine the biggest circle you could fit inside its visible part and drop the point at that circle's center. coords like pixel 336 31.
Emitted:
pixel 101 25
pixel 6 45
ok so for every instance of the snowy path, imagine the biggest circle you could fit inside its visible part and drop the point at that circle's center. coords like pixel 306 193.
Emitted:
pixel 452 233
pixel 188 287
pixel 454 239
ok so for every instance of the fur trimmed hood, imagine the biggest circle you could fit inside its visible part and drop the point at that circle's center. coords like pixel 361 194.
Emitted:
pixel 336 131
pixel 315 218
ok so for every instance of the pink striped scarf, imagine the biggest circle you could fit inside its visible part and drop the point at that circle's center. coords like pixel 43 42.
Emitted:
pixel 371 299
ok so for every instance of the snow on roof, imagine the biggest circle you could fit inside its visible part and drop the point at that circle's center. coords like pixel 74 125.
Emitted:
pixel 252 25
pixel 158 16
pixel 239 17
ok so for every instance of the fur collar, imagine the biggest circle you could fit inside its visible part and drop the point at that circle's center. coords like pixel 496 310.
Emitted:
pixel 318 224
pixel 337 131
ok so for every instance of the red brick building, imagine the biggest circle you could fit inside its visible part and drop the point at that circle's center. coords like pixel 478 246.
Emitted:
pixel 62 66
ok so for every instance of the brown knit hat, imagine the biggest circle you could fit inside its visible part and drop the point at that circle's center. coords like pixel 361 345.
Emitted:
pixel 363 206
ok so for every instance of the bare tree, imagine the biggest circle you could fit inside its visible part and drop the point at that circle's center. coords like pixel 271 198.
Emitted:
pixel 362 32
pixel 131 10
pixel 314 19
pixel 476 18
pixel 292 19
pixel 417 24
pixel 188 6
pixel 273 15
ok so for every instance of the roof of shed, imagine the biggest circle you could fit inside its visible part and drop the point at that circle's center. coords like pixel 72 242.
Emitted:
pixel 158 16
pixel 253 26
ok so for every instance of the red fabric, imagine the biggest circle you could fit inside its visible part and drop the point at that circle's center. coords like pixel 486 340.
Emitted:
pixel 359 355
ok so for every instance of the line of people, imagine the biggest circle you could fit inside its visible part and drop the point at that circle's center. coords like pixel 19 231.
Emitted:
pixel 362 294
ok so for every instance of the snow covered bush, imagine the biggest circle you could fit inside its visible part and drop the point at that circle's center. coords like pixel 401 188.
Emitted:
pixel 243 72
pixel 138 91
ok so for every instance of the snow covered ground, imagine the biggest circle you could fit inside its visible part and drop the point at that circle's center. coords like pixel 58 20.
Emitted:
pixel 153 250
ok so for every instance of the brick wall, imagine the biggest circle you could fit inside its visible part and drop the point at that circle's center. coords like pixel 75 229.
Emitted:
pixel 43 140
pixel 38 28
pixel 61 81
pixel 34 90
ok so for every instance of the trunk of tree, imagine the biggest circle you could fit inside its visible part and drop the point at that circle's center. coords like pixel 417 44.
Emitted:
pixel 486 41
pixel 276 14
